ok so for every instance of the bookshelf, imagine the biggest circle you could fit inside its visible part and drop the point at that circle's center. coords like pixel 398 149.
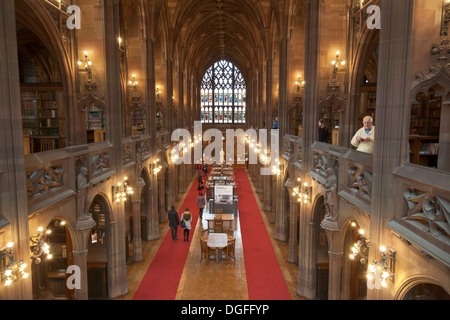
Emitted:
pixel 95 124
pixel 368 102
pixel 42 116
pixel 138 120
pixel 424 130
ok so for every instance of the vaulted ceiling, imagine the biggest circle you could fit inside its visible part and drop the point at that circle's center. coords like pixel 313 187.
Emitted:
pixel 208 30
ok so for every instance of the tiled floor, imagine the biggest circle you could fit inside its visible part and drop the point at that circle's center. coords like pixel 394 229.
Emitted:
pixel 209 280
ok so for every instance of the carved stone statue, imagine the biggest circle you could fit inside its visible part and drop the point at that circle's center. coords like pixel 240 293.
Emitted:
pixel 331 198
pixel 83 201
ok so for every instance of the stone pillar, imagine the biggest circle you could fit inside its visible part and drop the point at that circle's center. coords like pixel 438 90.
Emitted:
pixel 267 205
pixel 335 275
pixel 293 225
pixel 335 256
pixel 153 218
pixel 13 190
pixel 392 116
pixel 161 194
pixel 117 273
pixel 136 204
pixel 281 221
pixel 307 265
pixel 80 260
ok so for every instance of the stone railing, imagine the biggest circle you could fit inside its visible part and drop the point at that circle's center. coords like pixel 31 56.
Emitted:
pixel 422 218
pixel 352 170
pixel 51 176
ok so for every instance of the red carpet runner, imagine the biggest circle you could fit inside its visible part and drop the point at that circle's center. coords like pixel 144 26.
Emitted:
pixel 164 274
pixel 264 277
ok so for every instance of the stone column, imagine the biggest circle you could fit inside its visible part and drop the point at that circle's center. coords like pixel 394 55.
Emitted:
pixel 392 121
pixel 117 273
pixel 161 194
pixel 267 205
pixel 80 260
pixel 335 275
pixel 13 190
pixel 307 265
pixel 153 217
pixel 293 226
pixel 335 256
pixel 136 203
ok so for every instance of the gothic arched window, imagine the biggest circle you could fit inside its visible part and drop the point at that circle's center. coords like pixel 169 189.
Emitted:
pixel 223 90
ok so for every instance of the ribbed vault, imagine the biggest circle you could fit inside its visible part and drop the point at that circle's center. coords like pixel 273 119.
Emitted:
pixel 205 31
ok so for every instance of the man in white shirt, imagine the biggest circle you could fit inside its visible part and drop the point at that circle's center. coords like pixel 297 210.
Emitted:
pixel 364 138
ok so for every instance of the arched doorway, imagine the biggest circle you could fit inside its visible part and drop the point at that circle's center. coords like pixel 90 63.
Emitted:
pixel 426 291
pixel 50 274
pixel 322 259
pixel 98 243
pixel 354 286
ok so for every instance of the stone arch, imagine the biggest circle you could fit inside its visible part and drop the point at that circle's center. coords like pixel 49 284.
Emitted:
pixel 406 288
pixel 319 247
pixel 38 19
pixel 367 44
pixel 102 250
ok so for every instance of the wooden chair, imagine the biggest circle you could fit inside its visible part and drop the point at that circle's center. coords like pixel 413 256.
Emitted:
pixel 47 145
pixel 205 233
pixel 231 249
pixel 203 249
pixel 218 225
pixel 230 233
pixel 218 211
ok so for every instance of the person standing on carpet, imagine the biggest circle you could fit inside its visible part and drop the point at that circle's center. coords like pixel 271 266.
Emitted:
pixel 187 218
pixel 200 204
pixel 174 221
pixel 205 170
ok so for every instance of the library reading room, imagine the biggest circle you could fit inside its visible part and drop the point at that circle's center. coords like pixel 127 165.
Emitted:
pixel 224 150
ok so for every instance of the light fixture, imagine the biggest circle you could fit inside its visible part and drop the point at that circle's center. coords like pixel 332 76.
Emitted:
pixel 133 83
pixel 155 167
pixel 379 271
pixel 303 192
pixel 85 65
pixel 361 247
pixel 299 83
pixel 336 63
pixel 39 247
pixel 276 168
pixel 158 92
pixel 14 269
pixel 120 192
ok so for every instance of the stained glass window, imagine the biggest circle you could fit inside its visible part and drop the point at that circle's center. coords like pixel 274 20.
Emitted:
pixel 223 91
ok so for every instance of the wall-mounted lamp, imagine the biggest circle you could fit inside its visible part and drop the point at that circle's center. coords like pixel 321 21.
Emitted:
pixel 120 192
pixel 379 271
pixel 361 247
pixel 85 65
pixel 13 269
pixel 336 63
pixel 121 43
pixel 158 92
pixel 39 247
pixel 276 168
pixel 133 83
pixel 303 192
pixel 155 167
pixel 299 83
